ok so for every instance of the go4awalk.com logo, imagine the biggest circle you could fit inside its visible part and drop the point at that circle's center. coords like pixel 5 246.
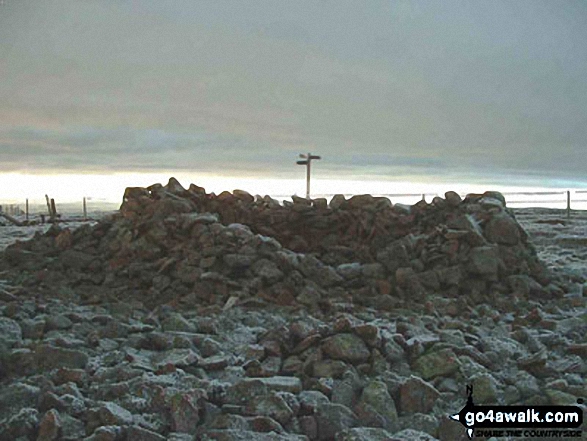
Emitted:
pixel 524 421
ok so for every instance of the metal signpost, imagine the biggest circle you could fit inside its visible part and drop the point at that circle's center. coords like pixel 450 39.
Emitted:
pixel 307 162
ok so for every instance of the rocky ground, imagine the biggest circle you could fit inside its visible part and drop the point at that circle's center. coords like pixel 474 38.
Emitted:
pixel 227 334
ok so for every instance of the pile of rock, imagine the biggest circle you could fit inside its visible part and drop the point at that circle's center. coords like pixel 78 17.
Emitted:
pixel 120 372
pixel 147 326
pixel 169 244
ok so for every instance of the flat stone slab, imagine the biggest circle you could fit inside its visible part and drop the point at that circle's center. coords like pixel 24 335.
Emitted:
pixel 279 383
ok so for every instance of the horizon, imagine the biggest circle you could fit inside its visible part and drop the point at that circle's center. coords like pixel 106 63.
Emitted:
pixel 100 191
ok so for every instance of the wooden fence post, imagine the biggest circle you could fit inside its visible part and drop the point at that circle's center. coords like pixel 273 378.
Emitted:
pixel 27 209
pixel 11 219
pixel 53 208
pixel 49 207
pixel 568 204
pixel 85 210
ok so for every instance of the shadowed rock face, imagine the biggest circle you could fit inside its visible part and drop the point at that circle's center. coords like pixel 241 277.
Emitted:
pixel 172 244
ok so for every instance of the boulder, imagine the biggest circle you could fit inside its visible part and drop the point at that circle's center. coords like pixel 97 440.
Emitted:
pixel 346 347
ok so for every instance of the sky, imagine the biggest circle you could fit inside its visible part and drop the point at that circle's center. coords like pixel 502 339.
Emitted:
pixel 97 95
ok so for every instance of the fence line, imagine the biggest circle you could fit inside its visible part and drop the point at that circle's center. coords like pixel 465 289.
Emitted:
pixel 38 209
pixel 81 208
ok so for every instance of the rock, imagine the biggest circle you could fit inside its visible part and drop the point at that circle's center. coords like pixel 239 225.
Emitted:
pixel 329 368
pixel 228 421
pixel 72 429
pixel 495 195
pixel 417 395
pixel 246 435
pixel 10 333
pixel 184 410
pixel 526 384
pixel 376 395
pixel 58 322
pixel 337 201
pixel 347 390
pixel 333 418
pixel 280 384
pixel 369 333
pixel 485 389
pixel 108 414
pixel 560 398
pixel 66 375
pixel 269 367
pixel 524 285
pixel 393 352
pixel 22 424
pixel 484 261
pixel 503 229
pixel 346 347
pixel 267 270
pixel 323 275
pixel 449 430
pixel 14 397
pixel 50 426
pixel 172 436
pixel 271 405
pixel 105 433
pixel 320 203
pixel 409 282
pixel 300 201
pixel 310 399
pixel 452 198
pixel 76 260
pixel 32 328
pixel 534 363
pixel 177 323
pixel 49 357
pixel 174 187
pixel 412 435
pixel 238 262
pixel 137 433
pixel 309 426
pixel 578 349
pixel 292 365
pixel 373 270
pixel 244 390
pixel 349 270
pixel 360 201
pixel 427 423
pixel 213 363
pixel 363 434
pixel 443 362
pixel 265 424
pixel 243 196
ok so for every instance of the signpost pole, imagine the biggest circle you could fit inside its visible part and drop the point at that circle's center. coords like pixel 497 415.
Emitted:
pixel 307 163
pixel 308 176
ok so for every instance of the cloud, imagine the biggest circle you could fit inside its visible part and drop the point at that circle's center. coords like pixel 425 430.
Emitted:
pixel 394 88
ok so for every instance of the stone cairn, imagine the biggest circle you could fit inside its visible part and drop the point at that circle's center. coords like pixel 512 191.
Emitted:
pixel 169 244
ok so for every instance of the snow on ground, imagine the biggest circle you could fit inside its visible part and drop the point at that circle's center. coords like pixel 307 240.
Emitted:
pixel 561 242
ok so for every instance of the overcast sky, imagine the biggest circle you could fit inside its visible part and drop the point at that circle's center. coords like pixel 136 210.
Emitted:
pixel 472 90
